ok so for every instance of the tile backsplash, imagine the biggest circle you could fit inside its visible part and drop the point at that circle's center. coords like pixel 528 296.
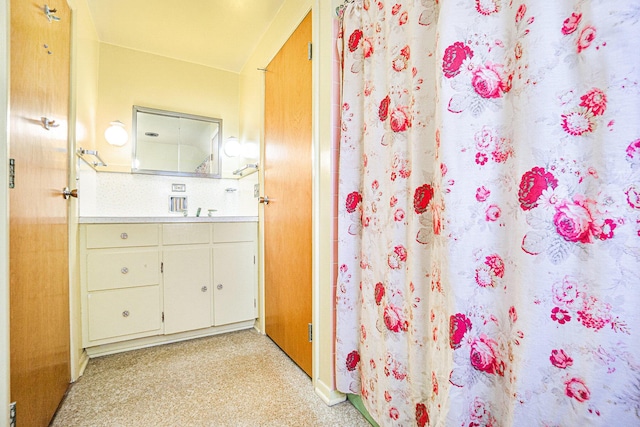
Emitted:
pixel 108 194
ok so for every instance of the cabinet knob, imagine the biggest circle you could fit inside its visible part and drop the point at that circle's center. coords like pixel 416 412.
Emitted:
pixel 204 289
pixel 124 236
pixel 124 270
pixel 219 286
pixel 125 313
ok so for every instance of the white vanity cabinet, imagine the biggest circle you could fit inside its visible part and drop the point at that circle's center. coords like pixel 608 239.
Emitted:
pixel 120 274
pixel 145 284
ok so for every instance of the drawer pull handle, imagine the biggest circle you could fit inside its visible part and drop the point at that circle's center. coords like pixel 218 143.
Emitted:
pixel 124 236
pixel 125 313
pixel 124 270
pixel 204 289
pixel 219 286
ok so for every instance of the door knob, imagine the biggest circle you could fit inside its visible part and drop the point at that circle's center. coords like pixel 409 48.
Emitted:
pixel 264 200
pixel 66 193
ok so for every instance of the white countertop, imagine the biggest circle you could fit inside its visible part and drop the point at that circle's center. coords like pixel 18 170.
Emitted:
pixel 161 219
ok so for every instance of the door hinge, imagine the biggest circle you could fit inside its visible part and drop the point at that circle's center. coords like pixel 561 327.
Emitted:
pixel 309 51
pixel 310 332
pixel 254 303
pixel 254 260
pixel 12 173
pixel 12 414
pixel 163 316
pixel 162 267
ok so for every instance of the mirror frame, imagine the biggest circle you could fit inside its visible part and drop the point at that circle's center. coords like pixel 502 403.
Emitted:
pixel 216 147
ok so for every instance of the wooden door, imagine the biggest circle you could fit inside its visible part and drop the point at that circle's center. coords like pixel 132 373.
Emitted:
pixel 38 260
pixel 287 184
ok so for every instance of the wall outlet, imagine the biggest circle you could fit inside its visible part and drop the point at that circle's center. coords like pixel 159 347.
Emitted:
pixel 256 190
pixel 179 188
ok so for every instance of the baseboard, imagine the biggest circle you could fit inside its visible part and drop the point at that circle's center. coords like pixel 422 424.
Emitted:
pixel 329 395
pixel 135 344
pixel 84 360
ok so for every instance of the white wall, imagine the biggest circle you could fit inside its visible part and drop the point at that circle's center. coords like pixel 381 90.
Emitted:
pixel 82 116
pixel 128 77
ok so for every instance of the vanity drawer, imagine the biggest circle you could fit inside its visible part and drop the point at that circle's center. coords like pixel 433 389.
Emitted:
pixel 113 269
pixel 185 234
pixel 124 312
pixel 235 232
pixel 122 235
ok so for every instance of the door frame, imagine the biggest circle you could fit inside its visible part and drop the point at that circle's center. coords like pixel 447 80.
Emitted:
pixel 322 201
pixel 322 194
pixel 4 213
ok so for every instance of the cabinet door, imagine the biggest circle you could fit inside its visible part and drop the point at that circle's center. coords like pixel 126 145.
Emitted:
pixel 234 279
pixel 187 288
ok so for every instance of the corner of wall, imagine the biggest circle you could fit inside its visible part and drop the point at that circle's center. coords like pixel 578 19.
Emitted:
pixel 324 193
pixel 83 92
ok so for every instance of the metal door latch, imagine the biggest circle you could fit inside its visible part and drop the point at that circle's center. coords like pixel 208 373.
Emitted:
pixel 12 173
pixel 49 13
pixel 48 124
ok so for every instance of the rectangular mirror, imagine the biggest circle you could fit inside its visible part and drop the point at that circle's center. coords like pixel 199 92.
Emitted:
pixel 170 143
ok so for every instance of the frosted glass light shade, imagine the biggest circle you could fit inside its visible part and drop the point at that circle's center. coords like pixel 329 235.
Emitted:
pixel 232 147
pixel 116 134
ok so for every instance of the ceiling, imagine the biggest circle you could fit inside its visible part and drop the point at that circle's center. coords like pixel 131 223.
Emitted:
pixel 217 33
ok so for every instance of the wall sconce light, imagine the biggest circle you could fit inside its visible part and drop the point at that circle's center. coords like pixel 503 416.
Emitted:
pixel 116 134
pixel 232 147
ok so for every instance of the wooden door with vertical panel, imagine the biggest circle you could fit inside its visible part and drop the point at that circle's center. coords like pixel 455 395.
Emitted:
pixel 38 253
pixel 287 184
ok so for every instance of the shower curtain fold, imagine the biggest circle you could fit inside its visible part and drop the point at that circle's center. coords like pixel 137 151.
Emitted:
pixel 489 212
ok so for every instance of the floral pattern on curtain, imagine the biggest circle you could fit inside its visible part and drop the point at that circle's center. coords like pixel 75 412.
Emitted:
pixel 489 217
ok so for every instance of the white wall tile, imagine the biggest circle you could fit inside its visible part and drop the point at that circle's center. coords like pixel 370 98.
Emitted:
pixel 106 194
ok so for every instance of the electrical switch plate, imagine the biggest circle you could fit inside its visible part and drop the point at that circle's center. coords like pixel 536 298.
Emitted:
pixel 179 188
pixel 256 190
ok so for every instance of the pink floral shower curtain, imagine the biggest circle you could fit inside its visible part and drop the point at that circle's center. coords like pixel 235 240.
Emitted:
pixel 489 217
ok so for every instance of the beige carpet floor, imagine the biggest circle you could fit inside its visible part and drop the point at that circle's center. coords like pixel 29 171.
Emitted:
pixel 235 379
